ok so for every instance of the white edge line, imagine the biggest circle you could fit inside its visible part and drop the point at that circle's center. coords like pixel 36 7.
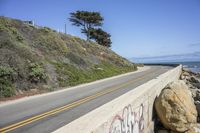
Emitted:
pixel 6 103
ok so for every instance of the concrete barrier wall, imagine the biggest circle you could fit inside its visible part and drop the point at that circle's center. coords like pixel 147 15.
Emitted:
pixel 130 113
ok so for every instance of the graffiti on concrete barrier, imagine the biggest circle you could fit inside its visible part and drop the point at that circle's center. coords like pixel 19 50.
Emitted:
pixel 131 121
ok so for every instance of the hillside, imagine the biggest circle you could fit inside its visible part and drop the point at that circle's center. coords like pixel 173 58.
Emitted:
pixel 37 60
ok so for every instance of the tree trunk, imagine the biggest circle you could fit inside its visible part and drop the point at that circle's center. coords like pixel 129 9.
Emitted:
pixel 86 32
pixel 88 36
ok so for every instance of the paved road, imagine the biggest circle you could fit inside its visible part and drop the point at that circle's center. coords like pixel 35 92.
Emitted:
pixel 44 114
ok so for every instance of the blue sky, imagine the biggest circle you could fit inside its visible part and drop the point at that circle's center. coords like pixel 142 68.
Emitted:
pixel 139 28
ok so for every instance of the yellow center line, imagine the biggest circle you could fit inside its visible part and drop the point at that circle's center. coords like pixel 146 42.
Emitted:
pixel 68 106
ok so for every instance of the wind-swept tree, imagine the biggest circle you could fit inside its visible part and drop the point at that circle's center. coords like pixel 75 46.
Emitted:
pixel 86 20
pixel 100 36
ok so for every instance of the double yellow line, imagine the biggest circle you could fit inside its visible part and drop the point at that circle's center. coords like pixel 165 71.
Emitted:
pixel 68 106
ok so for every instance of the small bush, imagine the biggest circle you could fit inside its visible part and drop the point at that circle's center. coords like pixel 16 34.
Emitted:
pixel 19 38
pixel 6 72
pixel 37 73
pixel 6 78
pixel 46 29
pixel 6 88
pixel 15 32
pixel 2 27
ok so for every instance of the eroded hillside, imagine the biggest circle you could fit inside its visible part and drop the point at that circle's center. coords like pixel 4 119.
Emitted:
pixel 36 60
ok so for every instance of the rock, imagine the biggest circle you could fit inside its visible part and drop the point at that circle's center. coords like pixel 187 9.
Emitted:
pixel 182 77
pixel 194 80
pixel 197 104
pixel 198 108
pixel 185 73
pixel 191 86
pixel 163 131
pixel 174 132
pixel 194 92
pixel 34 90
pixel 19 92
pixel 45 86
pixel 198 75
pixel 197 85
pixel 101 53
pixel 99 68
pixel 84 49
pixel 194 128
pixel 175 107
pixel 197 96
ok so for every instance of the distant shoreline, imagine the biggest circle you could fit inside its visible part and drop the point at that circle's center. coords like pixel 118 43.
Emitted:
pixel 194 66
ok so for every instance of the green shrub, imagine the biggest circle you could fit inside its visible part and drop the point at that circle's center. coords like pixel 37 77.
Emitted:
pixel 6 72
pixel 19 38
pixel 46 29
pixel 6 78
pixel 15 32
pixel 37 73
pixel 6 88
pixel 50 88
pixel 2 27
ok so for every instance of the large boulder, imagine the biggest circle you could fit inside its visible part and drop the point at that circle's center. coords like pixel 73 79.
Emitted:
pixel 175 107
pixel 184 75
pixel 194 128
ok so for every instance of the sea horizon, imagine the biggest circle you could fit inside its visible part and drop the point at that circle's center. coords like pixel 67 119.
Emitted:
pixel 194 66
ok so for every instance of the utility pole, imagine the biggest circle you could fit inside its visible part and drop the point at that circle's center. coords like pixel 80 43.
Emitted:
pixel 65 29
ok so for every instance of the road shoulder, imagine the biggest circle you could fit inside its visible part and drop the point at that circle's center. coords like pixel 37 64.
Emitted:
pixel 5 103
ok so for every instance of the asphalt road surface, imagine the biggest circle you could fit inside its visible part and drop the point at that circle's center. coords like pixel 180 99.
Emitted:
pixel 48 112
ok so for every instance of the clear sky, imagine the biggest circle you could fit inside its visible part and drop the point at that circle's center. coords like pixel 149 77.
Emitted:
pixel 139 28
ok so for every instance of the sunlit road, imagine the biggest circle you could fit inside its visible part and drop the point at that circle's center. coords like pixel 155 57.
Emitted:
pixel 46 113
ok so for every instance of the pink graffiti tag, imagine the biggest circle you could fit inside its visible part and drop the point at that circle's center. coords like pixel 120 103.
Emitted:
pixel 129 122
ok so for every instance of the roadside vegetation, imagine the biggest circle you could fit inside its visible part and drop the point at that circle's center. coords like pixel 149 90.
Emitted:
pixel 37 60
pixel 6 77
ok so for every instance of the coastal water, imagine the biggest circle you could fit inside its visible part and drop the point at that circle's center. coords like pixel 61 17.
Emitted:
pixel 193 66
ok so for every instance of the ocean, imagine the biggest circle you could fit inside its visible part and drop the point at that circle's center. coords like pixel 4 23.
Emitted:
pixel 193 66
